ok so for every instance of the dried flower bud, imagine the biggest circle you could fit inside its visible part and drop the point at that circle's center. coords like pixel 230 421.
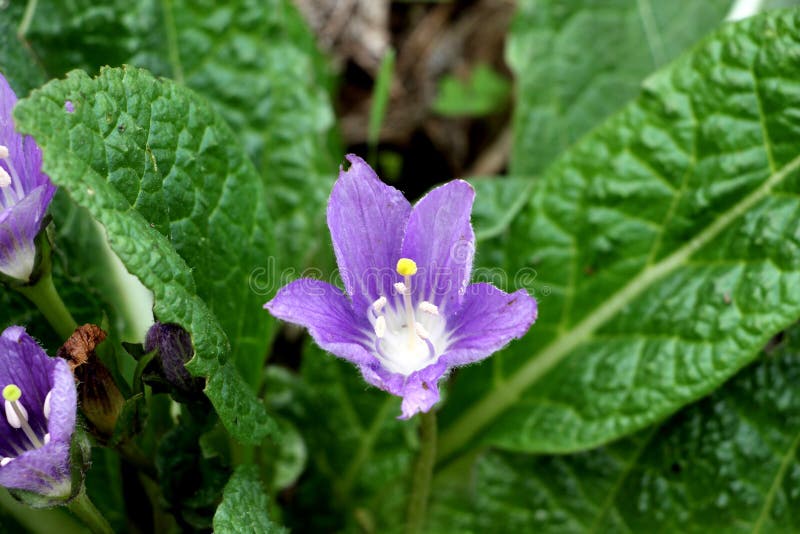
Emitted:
pixel 100 399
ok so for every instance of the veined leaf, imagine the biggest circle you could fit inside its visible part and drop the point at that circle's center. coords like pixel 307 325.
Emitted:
pixel 358 450
pixel 577 61
pixel 257 63
pixel 164 175
pixel 244 506
pixel 665 249
pixel 727 464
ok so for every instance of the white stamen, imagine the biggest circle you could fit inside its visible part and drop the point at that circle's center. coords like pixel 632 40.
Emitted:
pixel 5 461
pixel 421 332
pixel 47 405
pixel 378 305
pixel 429 307
pixel 380 326
pixel 5 178
pixel 47 438
pixel 3 151
pixel 15 414
pixel 401 288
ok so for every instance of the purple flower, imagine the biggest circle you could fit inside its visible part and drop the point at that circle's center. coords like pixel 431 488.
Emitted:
pixel 38 419
pixel 411 315
pixel 25 193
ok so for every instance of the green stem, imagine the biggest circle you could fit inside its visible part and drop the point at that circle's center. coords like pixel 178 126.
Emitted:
pixel 44 295
pixel 27 18
pixel 423 473
pixel 85 510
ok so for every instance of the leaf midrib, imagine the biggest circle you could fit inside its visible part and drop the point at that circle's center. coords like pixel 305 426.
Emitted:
pixel 497 401
pixel 773 490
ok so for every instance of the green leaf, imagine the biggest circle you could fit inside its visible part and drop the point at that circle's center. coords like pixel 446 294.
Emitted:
pixel 359 452
pixel 242 413
pixel 244 505
pixel 163 174
pixel 662 249
pixel 380 98
pixel 255 61
pixel 577 62
pixel 497 201
pixel 482 93
pixel 727 464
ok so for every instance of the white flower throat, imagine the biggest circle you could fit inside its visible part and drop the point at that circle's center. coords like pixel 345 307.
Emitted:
pixel 17 417
pixel 408 337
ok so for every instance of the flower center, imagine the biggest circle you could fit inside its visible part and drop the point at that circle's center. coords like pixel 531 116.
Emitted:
pixel 17 417
pixel 407 337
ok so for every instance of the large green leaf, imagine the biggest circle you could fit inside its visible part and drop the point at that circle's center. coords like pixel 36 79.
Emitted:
pixel 577 61
pixel 727 464
pixel 256 62
pixel 663 250
pixel 164 175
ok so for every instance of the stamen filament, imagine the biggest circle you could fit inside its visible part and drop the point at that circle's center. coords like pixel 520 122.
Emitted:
pixel 46 408
pixel 5 178
pixel 25 426
pixel 16 182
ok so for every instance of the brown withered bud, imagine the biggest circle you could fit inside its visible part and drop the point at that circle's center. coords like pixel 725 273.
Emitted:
pixel 98 395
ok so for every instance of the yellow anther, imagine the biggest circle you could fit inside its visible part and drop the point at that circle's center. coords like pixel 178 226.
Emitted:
pixel 12 393
pixel 406 267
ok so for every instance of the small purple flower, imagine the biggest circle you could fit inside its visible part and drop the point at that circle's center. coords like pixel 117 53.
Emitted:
pixel 38 419
pixel 411 315
pixel 25 193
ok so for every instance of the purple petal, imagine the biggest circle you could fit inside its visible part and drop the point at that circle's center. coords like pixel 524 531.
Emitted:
pixel 24 154
pixel 367 219
pixel 487 320
pixel 19 225
pixel 329 317
pixel 45 470
pixel 439 238
pixel 419 390
pixel 63 403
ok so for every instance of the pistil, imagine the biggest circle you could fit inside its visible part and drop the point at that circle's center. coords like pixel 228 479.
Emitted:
pixel 407 268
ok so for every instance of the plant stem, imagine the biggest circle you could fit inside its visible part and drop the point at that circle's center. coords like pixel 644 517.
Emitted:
pixel 27 18
pixel 423 473
pixel 85 510
pixel 44 295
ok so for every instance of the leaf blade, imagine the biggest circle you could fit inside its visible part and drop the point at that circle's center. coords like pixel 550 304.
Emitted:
pixel 629 302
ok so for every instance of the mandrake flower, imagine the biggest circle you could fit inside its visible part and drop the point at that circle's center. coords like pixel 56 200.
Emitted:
pixel 411 315
pixel 38 421
pixel 25 193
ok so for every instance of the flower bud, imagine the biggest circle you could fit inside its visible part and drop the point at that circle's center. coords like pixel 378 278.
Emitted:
pixel 174 346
